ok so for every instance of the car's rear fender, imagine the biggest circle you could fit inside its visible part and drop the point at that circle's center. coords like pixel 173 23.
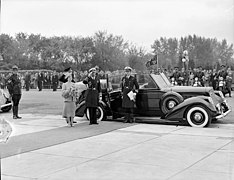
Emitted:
pixel 172 93
pixel 177 113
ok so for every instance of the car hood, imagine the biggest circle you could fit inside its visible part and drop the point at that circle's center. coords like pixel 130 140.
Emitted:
pixel 190 89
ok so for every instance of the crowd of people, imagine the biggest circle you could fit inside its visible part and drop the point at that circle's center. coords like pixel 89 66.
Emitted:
pixel 199 77
pixel 42 79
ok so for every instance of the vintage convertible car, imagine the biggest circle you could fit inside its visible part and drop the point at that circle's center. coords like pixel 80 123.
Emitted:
pixel 5 103
pixel 158 98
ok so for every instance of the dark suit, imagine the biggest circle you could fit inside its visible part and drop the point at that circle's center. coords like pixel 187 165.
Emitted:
pixel 92 97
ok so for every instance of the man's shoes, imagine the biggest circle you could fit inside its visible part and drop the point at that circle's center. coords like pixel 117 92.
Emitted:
pixel 18 117
pixel 95 123
pixel 90 123
pixel 14 117
pixel 74 122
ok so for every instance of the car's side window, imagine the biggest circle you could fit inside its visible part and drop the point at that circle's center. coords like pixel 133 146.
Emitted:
pixel 115 82
pixel 146 82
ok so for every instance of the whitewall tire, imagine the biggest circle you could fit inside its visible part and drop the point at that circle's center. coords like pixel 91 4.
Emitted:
pixel 100 113
pixel 197 116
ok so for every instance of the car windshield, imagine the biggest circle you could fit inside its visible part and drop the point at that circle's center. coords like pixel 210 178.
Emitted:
pixel 161 80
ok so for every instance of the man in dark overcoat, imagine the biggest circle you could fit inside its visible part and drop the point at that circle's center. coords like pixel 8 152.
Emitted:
pixel 93 95
pixel 128 84
pixel 14 88
pixel 55 81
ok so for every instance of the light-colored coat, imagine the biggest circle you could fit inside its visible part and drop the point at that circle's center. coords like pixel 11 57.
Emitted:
pixel 68 92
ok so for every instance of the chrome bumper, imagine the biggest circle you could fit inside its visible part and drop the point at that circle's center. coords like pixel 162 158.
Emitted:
pixel 223 114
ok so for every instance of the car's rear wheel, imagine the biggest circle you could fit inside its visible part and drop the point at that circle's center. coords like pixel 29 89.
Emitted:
pixel 99 112
pixel 169 102
pixel 198 116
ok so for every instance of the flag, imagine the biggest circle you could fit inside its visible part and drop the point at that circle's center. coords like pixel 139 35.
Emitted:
pixel 152 61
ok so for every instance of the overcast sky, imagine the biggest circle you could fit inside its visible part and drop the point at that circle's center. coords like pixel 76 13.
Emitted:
pixel 138 21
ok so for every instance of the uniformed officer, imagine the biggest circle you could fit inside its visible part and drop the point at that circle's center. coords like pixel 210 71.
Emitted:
pixel 128 84
pixel 93 95
pixel 14 88
pixel 55 81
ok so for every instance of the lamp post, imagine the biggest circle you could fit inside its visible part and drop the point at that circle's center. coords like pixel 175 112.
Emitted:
pixel 185 59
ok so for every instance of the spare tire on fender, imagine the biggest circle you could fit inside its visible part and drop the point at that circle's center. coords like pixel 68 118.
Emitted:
pixel 169 100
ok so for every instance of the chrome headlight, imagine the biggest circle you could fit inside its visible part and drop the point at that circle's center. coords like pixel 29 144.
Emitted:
pixel 218 106
pixel 221 94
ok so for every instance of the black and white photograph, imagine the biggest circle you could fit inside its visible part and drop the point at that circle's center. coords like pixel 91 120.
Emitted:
pixel 116 90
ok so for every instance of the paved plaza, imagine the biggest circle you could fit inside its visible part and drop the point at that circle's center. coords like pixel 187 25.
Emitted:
pixel 44 147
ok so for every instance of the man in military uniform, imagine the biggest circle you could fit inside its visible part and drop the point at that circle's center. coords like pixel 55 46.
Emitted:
pixel 14 88
pixel 55 81
pixel 93 94
pixel 128 84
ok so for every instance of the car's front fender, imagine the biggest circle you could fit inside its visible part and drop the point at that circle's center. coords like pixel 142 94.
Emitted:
pixel 178 112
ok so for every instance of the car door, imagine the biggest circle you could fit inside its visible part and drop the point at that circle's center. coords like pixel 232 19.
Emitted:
pixel 148 97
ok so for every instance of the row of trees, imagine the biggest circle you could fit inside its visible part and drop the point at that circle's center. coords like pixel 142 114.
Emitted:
pixel 110 52
pixel 205 52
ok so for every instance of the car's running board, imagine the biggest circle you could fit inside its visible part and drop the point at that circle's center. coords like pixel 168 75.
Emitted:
pixel 4 105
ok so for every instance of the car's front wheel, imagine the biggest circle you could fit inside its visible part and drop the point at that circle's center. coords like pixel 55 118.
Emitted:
pixel 198 116
pixel 100 113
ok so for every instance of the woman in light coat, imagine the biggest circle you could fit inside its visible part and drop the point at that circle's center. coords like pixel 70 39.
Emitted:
pixel 69 95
